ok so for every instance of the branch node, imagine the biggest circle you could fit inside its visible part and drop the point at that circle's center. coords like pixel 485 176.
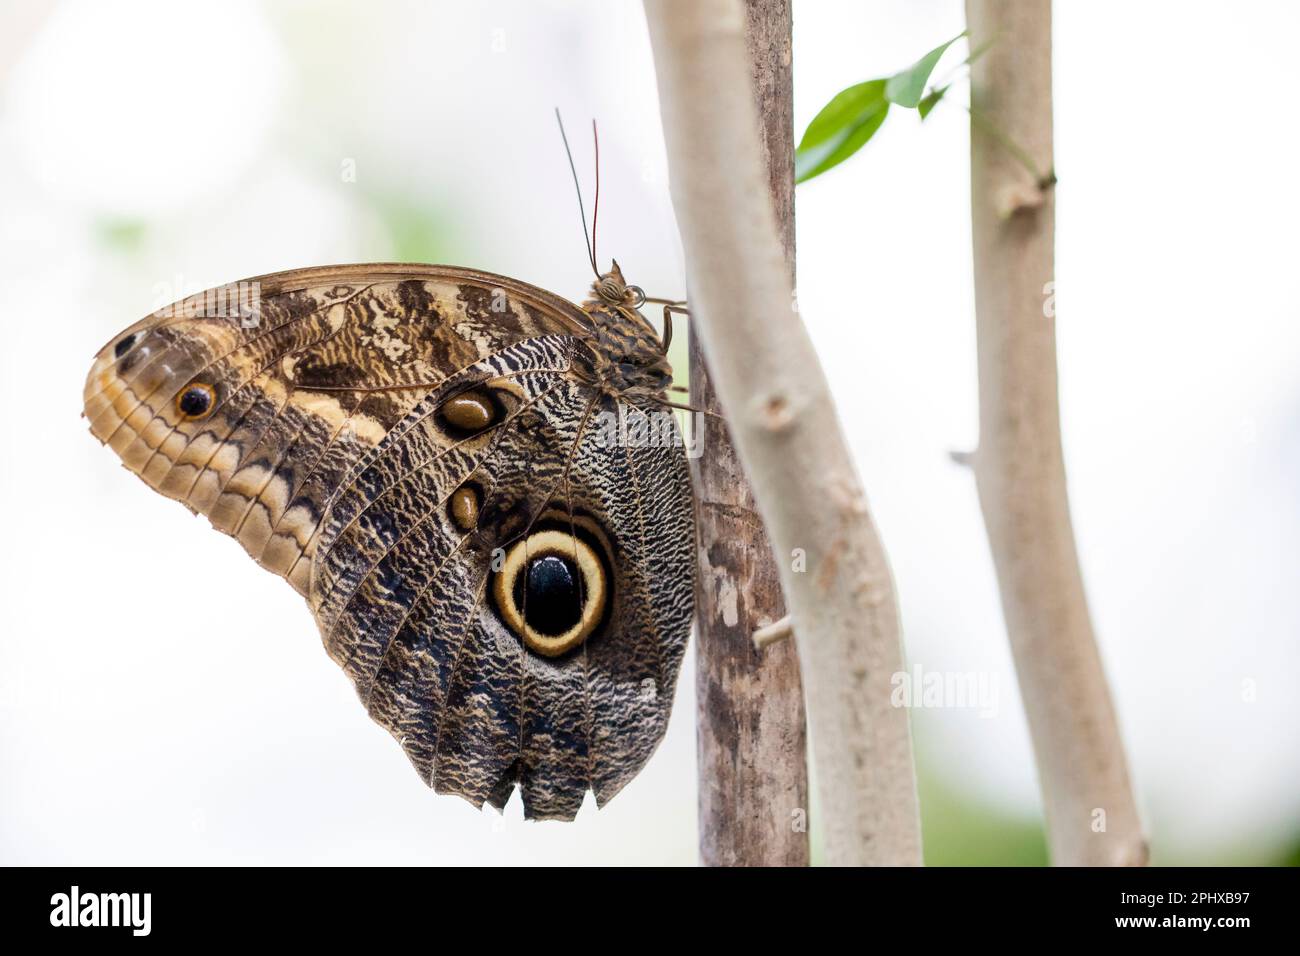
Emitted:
pixel 1019 197
pixel 776 413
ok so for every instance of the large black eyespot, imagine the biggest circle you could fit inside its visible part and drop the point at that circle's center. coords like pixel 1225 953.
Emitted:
pixel 195 401
pixel 549 594
pixel 124 346
pixel 553 588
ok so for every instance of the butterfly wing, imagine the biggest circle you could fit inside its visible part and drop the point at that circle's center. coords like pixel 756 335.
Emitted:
pixel 411 448
pixel 425 610
pixel 250 403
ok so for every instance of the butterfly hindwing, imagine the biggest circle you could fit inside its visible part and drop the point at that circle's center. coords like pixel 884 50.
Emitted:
pixel 643 491
pixel 430 648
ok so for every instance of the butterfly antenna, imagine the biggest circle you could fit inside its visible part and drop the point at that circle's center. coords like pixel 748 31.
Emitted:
pixel 595 209
pixel 591 255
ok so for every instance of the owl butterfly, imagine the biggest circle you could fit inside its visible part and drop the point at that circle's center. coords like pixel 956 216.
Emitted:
pixel 415 450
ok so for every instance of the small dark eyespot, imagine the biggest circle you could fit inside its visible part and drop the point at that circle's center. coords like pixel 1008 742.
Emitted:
pixel 464 505
pixel 124 346
pixel 195 401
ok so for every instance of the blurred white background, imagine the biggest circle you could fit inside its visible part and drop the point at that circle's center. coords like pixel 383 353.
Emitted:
pixel 162 700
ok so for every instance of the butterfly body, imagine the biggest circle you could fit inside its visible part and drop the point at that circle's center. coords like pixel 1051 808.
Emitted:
pixel 414 448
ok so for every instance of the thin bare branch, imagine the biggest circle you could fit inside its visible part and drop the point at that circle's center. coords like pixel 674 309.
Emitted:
pixel 1092 818
pixel 833 568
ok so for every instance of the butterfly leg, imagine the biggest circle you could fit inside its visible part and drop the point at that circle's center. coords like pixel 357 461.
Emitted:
pixel 670 306
pixel 678 308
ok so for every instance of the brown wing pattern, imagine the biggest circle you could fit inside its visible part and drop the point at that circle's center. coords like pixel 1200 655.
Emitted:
pixel 338 356
pixel 412 449
pixel 403 594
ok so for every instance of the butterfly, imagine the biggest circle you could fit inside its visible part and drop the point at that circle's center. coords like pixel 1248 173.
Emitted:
pixel 416 450
pixel 425 454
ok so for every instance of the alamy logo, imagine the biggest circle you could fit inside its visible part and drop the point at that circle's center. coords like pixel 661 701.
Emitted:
pixel 921 688
pixel 634 428
pixel 102 909
pixel 234 300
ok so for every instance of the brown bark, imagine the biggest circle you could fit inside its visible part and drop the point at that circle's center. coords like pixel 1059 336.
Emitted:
pixel 752 741
pixel 787 432
pixel 1019 467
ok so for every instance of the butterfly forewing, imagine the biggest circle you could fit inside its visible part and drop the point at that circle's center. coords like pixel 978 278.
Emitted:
pixel 315 334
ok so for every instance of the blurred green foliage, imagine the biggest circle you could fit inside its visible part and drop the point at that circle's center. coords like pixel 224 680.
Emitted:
pixel 121 235
pixel 417 233
pixel 960 831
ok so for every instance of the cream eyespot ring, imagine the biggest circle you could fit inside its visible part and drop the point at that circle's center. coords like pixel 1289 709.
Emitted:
pixel 551 591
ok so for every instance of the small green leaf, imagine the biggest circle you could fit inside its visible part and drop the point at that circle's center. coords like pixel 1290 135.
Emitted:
pixel 931 100
pixel 841 128
pixel 905 88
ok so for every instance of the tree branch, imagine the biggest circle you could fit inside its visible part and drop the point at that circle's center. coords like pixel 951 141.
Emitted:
pixel 752 740
pixel 1019 468
pixel 773 633
pixel 786 429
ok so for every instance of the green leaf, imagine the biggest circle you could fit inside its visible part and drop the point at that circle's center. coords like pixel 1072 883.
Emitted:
pixel 931 100
pixel 905 88
pixel 841 128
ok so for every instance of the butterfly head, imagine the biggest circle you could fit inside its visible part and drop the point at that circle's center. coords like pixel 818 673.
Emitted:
pixel 630 356
pixel 613 290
